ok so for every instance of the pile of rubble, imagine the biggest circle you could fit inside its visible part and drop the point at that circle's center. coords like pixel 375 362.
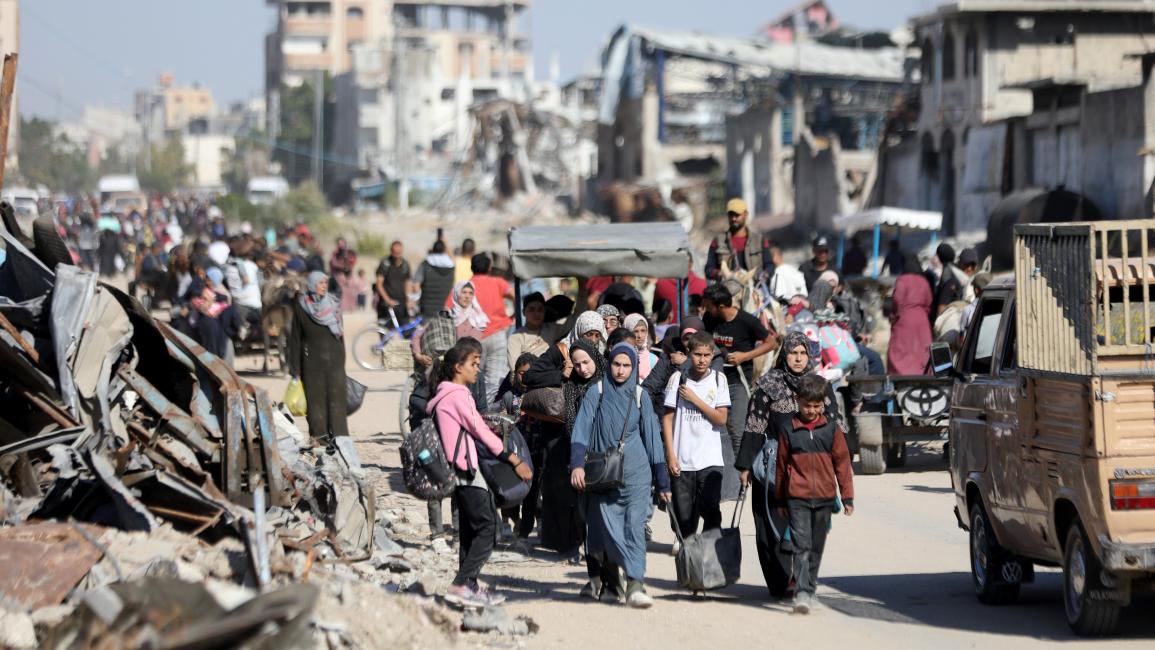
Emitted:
pixel 150 497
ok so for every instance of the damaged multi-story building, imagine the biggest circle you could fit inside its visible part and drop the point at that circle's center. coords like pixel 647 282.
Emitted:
pixel 792 125
pixel 1037 95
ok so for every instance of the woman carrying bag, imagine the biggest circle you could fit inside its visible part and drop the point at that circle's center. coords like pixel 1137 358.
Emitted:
pixel 616 437
pixel 461 428
pixel 317 357
pixel 774 403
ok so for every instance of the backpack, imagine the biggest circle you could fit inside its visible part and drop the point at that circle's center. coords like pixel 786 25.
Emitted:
pixel 440 335
pixel 507 487
pixel 435 479
pixel 838 347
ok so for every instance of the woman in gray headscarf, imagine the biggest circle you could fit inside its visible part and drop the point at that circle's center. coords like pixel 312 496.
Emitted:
pixel 317 357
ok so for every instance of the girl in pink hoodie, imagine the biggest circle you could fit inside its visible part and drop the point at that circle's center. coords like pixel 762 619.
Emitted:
pixel 461 428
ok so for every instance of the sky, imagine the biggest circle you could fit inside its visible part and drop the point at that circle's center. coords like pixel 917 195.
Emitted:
pixel 79 52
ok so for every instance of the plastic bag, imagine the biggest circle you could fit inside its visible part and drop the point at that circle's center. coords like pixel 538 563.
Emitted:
pixel 354 395
pixel 295 398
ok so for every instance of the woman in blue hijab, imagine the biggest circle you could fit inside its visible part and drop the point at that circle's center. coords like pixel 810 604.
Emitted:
pixel 618 410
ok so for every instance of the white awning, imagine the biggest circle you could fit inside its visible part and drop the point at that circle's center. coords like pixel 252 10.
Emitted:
pixel 884 216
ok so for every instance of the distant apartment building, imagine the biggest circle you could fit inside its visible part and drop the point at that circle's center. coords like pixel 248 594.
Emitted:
pixel 167 109
pixel 403 105
pixel 984 64
pixel 9 43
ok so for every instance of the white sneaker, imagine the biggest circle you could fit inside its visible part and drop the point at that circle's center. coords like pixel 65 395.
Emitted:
pixel 802 603
pixel 676 548
pixel 640 600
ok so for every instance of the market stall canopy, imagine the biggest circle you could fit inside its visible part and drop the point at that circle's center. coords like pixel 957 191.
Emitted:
pixel 885 216
pixel 656 250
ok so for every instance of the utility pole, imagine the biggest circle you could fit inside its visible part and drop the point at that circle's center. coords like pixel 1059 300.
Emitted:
pixel 318 125
pixel 399 139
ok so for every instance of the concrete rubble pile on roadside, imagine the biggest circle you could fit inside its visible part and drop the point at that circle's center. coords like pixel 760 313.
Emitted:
pixel 151 497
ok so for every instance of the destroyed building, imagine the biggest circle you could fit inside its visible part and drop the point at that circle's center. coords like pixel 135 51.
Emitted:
pixel 1008 93
pixel 679 107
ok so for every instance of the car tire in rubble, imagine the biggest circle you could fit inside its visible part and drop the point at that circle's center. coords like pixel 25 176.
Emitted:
pixel 987 561
pixel 872 458
pixel 1082 577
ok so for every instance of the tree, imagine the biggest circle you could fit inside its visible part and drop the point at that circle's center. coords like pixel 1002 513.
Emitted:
pixel 295 150
pixel 52 160
pixel 165 169
pixel 114 162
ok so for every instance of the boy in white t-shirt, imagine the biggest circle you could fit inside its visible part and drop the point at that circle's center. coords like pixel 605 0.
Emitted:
pixel 697 404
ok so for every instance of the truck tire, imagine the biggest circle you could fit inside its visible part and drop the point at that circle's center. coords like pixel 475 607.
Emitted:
pixel 987 560
pixel 872 458
pixel 1082 576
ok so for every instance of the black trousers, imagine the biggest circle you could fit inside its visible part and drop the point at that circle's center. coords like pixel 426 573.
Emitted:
pixel 809 525
pixel 478 532
pixel 769 526
pixel 697 495
pixel 526 513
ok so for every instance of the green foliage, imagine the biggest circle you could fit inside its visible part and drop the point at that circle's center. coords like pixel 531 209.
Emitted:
pixel 51 160
pixel 296 134
pixel 114 162
pixel 302 203
pixel 165 169
pixel 370 246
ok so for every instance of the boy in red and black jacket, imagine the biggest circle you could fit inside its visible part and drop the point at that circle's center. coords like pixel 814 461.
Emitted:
pixel 813 470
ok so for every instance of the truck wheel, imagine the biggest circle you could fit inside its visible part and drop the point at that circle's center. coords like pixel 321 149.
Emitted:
pixel 896 454
pixel 987 562
pixel 1087 616
pixel 873 459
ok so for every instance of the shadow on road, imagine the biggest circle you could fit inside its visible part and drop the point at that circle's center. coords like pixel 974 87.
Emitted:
pixel 946 600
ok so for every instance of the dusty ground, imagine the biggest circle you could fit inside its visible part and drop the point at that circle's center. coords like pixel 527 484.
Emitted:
pixel 895 575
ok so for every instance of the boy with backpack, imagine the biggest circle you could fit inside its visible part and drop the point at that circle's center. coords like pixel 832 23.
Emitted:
pixel 815 480
pixel 697 404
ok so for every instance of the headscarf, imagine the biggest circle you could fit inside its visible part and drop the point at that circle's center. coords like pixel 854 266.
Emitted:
pixel 774 394
pixel 473 314
pixel 630 324
pixel 324 310
pixel 693 323
pixel 609 310
pixel 618 401
pixel 587 322
pixel 822 292
pixel 215 276
pixel 575 386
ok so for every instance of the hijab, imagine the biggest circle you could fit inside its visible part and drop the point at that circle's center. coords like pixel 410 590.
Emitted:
pixel 575 385
pixel 587 322
pixel 781 383
pixel 472 314
pixel 618 401
pixel 324 310
pixel 823 291
pixel 631 322
pixel 609 310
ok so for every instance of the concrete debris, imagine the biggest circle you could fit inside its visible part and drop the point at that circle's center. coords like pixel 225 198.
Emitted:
pixel 495 619
pixel 150 497
pixel 16 630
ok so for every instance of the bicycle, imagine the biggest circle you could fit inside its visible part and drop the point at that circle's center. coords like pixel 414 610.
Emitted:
pixel 369 345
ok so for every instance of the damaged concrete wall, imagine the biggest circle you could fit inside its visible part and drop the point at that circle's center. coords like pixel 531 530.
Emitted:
pixel 818 184
pixel 757 166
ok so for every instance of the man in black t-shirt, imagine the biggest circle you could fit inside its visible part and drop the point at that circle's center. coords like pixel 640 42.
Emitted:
pixel 392 280
pixel 742 338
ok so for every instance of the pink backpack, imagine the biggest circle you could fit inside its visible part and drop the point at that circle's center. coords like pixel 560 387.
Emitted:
pixel 838 347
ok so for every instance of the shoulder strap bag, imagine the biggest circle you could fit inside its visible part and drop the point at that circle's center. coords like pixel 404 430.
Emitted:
pixel 605 471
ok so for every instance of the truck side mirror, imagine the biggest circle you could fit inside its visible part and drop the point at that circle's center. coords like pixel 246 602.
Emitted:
pixel 941 362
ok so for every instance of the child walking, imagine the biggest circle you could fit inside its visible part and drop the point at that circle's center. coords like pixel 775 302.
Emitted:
pixel 697 404
pixel 813 470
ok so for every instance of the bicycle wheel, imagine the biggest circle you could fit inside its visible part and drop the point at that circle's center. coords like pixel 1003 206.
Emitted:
pixel 369 347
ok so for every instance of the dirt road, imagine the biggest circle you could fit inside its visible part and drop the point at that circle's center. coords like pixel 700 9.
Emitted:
pixel 895 574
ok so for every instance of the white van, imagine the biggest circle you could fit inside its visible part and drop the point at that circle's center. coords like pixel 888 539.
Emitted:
pixel 263 190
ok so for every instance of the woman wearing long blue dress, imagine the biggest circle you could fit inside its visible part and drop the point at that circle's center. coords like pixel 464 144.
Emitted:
pixel 616 519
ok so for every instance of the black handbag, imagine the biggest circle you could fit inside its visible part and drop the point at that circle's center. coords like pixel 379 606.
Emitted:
pixel 354 395
pixel 606 471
